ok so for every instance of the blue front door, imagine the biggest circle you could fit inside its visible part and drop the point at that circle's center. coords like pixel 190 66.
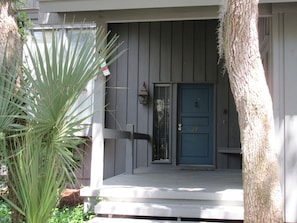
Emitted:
pixel 195 124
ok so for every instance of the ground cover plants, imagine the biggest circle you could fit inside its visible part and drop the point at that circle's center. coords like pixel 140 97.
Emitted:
pixel 60 215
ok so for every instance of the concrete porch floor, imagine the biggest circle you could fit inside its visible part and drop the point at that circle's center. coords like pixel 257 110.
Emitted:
pixel 163 191
pixel 179 179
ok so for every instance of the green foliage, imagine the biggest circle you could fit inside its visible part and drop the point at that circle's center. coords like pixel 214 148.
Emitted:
pixel 71 215
pixel 39 117
pixel 4 213
pixel 64 215
pixel 22 20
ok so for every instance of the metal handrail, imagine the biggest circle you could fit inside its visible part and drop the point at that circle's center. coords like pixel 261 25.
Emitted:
pixel 130 135
pixel 120 134
pixel 116 134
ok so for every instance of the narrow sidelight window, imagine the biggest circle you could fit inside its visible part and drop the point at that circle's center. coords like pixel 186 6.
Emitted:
pixel 161 122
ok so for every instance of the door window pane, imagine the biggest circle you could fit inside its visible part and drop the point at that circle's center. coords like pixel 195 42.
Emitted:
pixel 161 122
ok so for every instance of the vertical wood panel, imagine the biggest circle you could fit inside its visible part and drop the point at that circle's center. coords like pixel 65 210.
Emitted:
pixel 144 46
pixel 111 81
pixel 121 117
pixel 122 79
pixel 111 99
pixel 234 160
pixel 222 116
pixel 211 50
pixel 165 51
pixel 290 114
pixel 87 161
pixel 109 158
pixel 155 29
pixel 133 73
pixel 182 51
pixel 154 72
pixel 199 51
pixel 177 51
pixel 188 51
pixel 233 131
pixel 83 172
pixel 133 55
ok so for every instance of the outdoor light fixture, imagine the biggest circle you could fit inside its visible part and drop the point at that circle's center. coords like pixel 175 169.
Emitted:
pixel 143 95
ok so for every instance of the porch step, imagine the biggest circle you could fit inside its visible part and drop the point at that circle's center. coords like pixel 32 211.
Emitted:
pixel 166 203
pixel 171 210
pixel 229 196
pixel 129 220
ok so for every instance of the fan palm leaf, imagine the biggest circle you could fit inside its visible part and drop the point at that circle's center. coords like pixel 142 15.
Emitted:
pixel 56 73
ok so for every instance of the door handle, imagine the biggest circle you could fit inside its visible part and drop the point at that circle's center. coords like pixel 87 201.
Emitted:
pixel 179 128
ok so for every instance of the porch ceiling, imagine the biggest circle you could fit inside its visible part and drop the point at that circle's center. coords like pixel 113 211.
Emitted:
pixel 92 5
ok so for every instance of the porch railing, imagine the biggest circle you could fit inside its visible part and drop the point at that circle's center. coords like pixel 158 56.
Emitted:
pixel 130 135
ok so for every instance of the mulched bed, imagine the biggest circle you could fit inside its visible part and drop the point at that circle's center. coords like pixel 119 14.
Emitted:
pixel 70 198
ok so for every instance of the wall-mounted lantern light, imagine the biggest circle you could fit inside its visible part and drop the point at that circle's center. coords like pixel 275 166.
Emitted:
pixel 143 95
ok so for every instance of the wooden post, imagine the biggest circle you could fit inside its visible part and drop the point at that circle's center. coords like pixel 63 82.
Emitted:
pixel 96 178
pixel 130 151
pixel 97 160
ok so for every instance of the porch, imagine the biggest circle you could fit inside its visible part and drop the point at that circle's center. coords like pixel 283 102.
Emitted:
pixel 172 193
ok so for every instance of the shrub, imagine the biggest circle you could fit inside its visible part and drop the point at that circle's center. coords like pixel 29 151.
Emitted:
pixel 71 215
pixel 63 215
pixel 4 213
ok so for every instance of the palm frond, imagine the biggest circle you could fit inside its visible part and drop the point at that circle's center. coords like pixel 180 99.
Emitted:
pixel 56 73
pixel 11 95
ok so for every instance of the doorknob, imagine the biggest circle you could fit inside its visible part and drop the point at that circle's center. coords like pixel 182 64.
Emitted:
pixel 179 127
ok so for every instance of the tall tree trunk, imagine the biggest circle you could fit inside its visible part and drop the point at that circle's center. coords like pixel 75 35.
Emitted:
pixel 10 48
pixel 239 45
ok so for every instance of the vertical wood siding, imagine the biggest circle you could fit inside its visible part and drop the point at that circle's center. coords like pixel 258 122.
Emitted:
pixel 166 52
pixel 157 52
pixel 83 173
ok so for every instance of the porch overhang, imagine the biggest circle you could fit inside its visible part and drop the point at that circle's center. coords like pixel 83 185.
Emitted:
pixel 102 5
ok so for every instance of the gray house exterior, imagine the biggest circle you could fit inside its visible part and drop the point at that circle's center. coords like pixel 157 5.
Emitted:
pixel 190 116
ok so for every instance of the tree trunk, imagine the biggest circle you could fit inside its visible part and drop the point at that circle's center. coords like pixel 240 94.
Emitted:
pixel 10 47
pixel 239 45
pixel 9 35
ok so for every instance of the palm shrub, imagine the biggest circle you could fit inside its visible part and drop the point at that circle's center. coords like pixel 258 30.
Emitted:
pixel 45 117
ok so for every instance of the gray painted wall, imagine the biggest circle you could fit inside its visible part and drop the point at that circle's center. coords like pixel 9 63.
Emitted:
pixel 282 82
pixel 284 97
pixel 165 52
